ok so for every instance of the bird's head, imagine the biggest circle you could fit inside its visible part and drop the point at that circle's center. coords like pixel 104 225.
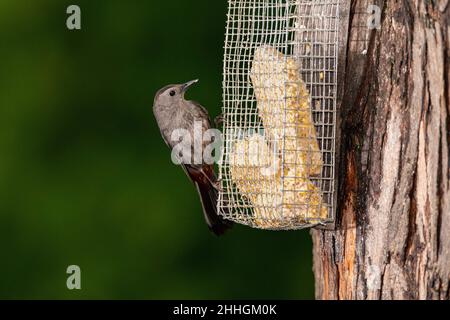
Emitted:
pixel 172 94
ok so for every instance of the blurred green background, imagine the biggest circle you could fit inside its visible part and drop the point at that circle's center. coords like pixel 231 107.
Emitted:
pixel 85 177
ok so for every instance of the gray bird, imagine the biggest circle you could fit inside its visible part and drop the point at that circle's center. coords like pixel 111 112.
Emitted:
pixel 173 112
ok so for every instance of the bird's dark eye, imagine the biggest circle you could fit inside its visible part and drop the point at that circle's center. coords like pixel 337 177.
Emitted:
pixel 172 93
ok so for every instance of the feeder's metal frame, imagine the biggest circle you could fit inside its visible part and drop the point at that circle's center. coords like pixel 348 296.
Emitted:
pixel 344 14
pixel 342 36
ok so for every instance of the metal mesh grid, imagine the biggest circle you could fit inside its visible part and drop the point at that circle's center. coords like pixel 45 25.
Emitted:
pixel 279 111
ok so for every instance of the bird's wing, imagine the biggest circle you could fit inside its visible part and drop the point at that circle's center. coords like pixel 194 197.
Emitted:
pixel 200 172
pixel 203 113
pixel 185 169
pixel 167 142
pixel 203 178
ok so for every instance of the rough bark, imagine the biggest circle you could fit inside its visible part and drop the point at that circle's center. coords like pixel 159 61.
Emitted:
pixel 392 238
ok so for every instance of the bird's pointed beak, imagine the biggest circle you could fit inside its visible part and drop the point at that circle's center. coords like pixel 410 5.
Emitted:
pixel 187 85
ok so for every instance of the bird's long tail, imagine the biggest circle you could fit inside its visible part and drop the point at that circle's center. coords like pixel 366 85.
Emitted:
pixel 209 196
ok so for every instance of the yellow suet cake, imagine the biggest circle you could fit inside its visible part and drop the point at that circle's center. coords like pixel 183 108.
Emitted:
pixel 284 106
pixel 277 202
pixel 273 172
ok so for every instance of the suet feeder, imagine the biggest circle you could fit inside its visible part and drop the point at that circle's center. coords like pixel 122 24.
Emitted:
pixel 280 94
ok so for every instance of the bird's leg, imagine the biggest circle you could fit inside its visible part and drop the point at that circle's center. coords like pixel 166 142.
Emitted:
pixel 219 120
pixel 215 185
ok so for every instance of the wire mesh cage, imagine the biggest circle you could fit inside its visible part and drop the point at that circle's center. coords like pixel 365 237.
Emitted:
pixel 279 113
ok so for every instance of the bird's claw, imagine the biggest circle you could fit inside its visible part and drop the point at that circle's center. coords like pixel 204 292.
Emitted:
pixel 219 120
pixel 217 185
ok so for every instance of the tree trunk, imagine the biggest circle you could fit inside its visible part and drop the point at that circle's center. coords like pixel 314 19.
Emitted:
pixel 392 237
